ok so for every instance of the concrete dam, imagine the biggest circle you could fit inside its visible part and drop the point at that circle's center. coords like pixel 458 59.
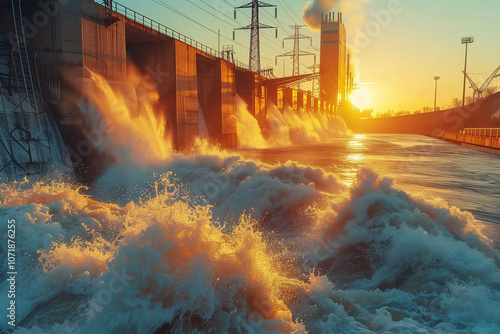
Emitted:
pixel 52 47
pixel 51 51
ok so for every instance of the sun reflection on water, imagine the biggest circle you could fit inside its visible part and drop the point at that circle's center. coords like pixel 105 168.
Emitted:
pixel 355 157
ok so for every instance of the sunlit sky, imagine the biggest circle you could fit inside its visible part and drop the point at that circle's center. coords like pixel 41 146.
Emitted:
pixel 395 64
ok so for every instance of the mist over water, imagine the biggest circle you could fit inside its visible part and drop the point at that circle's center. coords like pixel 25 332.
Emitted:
pixel 212 241
pixel 274 128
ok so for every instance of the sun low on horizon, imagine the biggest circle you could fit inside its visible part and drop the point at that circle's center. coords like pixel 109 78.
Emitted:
pixel 404 49
pixel 362 97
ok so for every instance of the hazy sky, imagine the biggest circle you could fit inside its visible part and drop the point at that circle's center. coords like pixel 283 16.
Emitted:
pixel 396 55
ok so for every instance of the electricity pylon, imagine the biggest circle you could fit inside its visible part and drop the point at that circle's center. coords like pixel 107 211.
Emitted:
pixel 254 27
pixel 315 82
pixel 296 53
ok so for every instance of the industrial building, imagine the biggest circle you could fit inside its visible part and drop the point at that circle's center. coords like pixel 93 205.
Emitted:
pixel 333 59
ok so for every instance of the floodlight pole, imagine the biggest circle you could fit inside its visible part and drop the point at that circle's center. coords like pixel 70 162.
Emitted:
pixel 466 41
pixel 435 92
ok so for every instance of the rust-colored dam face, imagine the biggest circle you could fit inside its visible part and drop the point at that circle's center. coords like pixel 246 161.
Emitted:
pixel 196 87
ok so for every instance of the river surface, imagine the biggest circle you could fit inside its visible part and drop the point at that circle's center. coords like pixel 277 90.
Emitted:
pixel 362 234
pixel 465 178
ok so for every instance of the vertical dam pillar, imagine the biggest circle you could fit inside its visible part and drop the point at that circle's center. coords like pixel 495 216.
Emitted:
pixel 272 95
pixel 309 101
pixel 245 88
pixel 187 119
pixel 229 135
pixel 300 99
pixel 216 96
pixel 287 97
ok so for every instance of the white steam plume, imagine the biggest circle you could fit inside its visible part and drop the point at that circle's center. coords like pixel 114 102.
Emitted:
pixel 353 11
pixel 313 10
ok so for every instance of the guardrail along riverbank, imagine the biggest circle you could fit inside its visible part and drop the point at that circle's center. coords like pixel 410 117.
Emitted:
pixel 481 139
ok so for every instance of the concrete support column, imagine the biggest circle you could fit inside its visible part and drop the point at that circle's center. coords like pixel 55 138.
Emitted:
pixel 287 97
pixel 300 99
pixel 244 86
pixel 272 96
pixel 309 101
pixel 229 135
pixel 186 94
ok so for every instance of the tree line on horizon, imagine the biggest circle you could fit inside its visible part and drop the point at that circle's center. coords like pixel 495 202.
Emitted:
pixel 455 103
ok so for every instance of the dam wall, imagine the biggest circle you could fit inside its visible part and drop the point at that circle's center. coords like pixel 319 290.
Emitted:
pixel 69 40
pixel 484 113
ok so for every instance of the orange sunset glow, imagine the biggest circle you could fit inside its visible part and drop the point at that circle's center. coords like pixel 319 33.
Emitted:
pixel 397 46
pixel 249 166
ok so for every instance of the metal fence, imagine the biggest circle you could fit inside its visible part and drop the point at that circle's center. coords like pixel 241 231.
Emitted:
pixel 483 132
pixel 162 29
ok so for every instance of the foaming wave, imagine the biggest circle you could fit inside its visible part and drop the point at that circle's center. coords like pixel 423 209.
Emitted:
pixel 208 242
pixel 161 264
pixel 262 249
pixel 398 263
pixel 226 181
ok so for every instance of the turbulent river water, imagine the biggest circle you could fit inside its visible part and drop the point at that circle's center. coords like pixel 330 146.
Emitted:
pixel 359 234
pixel 212 241
pixel 465 178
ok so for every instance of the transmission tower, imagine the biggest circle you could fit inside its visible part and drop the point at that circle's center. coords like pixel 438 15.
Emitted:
pixel 315 82
pixel 296 53
pixel 255 26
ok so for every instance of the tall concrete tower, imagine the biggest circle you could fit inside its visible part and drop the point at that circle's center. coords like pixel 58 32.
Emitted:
pixel 333 59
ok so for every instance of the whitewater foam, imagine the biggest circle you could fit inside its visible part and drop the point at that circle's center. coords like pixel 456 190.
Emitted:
pixel 210 242
pixel 245 257
pixel 289 127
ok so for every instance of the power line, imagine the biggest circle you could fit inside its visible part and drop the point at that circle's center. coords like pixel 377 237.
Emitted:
pixel 178 12
pixel 279 22
pixel 300 20
pixel 291 18
pixel 266 37
pixel 232 6
pixel 162 3
pixel 230 18
pixel 218 18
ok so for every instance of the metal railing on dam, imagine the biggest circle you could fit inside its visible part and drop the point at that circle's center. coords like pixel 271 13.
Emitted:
pixel 163 29
pixel 481 139
pixel 482 132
